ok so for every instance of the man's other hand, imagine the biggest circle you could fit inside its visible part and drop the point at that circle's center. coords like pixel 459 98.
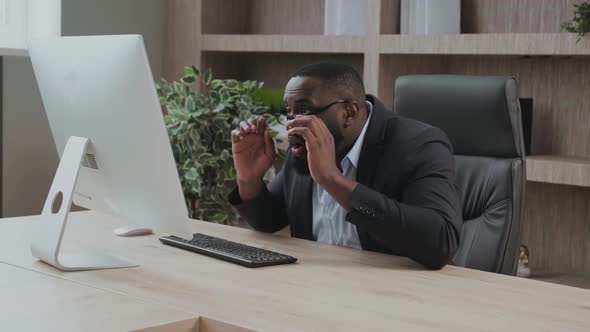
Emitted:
pixel 253 153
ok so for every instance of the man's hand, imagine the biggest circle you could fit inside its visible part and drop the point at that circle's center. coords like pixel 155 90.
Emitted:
pixel 319 143
pixel 321 158
pixel 253 153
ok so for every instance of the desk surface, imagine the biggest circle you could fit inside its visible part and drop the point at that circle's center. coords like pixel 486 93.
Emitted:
pixel 38 302
pixel 330 288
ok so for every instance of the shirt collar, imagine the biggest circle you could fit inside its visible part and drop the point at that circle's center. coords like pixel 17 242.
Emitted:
pixel 355 152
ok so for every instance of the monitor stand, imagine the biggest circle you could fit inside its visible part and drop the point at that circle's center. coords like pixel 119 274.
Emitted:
pixel 49 230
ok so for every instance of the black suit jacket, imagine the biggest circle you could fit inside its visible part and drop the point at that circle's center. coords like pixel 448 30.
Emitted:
pixel 406 202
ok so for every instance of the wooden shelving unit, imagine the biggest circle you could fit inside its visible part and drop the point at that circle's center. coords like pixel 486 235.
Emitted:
pixel 268 39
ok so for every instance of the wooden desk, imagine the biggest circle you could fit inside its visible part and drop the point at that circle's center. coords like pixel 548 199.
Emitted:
pixel 330 288
pixel 33 301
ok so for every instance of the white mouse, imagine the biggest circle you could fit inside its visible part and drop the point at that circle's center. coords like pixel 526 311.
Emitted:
pixel 133 230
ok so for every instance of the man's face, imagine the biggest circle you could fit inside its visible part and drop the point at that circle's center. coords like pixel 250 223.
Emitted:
pixel 305 94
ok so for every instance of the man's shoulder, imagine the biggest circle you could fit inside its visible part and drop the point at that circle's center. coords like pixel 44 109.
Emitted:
pixel 396 129
pixel 408 142
pixel 402 131
pixel 399 134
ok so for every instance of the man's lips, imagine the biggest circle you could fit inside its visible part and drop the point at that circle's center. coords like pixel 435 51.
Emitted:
pixel 296 140
pixel 297 145
pixel 298 151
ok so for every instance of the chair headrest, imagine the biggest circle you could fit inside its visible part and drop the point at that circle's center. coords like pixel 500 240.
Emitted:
pixel 481 115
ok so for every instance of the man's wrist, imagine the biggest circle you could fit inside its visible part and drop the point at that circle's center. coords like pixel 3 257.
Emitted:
pixel 249 188
pixel 330 178
pixel 340 188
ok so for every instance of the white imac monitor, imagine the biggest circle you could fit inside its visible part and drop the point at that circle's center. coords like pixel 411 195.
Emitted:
pixel 101 88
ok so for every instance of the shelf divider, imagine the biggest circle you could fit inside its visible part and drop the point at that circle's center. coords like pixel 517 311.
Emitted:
pixel 487 44
pixel 559 170
pixel 283 43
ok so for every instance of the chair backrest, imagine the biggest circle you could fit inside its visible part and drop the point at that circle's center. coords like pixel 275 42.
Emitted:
pixel 481 116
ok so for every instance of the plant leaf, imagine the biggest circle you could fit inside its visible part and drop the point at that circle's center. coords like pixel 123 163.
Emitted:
pixel 207 76
pixel 196 71
pixel 188 71
pixel 215 84
pixel 188 79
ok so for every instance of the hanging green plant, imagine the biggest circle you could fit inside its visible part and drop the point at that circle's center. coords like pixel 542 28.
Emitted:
pixel 199 125
pixel 581 21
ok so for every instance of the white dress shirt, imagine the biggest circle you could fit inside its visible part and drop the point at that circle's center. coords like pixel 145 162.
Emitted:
pixel 329 225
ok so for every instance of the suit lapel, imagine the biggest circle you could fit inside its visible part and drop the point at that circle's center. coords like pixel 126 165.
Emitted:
pixel 370 154
pixel 303 186
pixel 373 144
pixel 299 206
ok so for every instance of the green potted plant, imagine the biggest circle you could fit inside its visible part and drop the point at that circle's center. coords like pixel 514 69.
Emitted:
pixel 581 21
pixel 199 125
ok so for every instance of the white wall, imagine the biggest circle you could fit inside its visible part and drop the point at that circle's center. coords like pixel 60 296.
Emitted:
pixel 29 158
pixel 104 17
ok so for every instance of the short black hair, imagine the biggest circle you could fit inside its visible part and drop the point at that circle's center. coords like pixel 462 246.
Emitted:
pixel 338 74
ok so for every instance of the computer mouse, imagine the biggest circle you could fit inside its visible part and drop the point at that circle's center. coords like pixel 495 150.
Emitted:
pixel 133 230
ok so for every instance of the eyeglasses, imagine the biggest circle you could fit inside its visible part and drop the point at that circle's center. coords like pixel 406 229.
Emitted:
pixel 314 111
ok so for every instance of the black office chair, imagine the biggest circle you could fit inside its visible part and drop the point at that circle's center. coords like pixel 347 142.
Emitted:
pixel 481 116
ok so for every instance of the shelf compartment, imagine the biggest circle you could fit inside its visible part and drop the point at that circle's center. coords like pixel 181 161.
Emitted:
pixel 274 69
pixel 557 85
pixel 496 17
pixel 283 43
pixel 556 229
pixel 559 170
pixel 262 17
pixel 486 44
pixel 390 16
pixel 509 16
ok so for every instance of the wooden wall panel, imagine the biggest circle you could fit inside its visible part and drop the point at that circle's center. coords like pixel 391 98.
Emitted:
pixel 513 16
pixel 225 16
pixel 557 228
pixel 394 66
pixel 274 69
pixel 224 65
pixel 181 36
pixel 300 17
pixel 390 11
pixel 263 17
pixel 558 86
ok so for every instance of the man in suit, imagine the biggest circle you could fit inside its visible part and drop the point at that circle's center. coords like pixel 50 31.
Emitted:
pixel 356 175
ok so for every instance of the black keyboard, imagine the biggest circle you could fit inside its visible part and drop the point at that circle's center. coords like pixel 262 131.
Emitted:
pixel 228 250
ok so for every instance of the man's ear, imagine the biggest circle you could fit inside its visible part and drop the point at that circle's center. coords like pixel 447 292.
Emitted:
pixel 352 111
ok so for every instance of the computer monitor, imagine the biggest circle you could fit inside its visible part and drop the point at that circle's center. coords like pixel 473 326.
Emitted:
pixel 102 88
